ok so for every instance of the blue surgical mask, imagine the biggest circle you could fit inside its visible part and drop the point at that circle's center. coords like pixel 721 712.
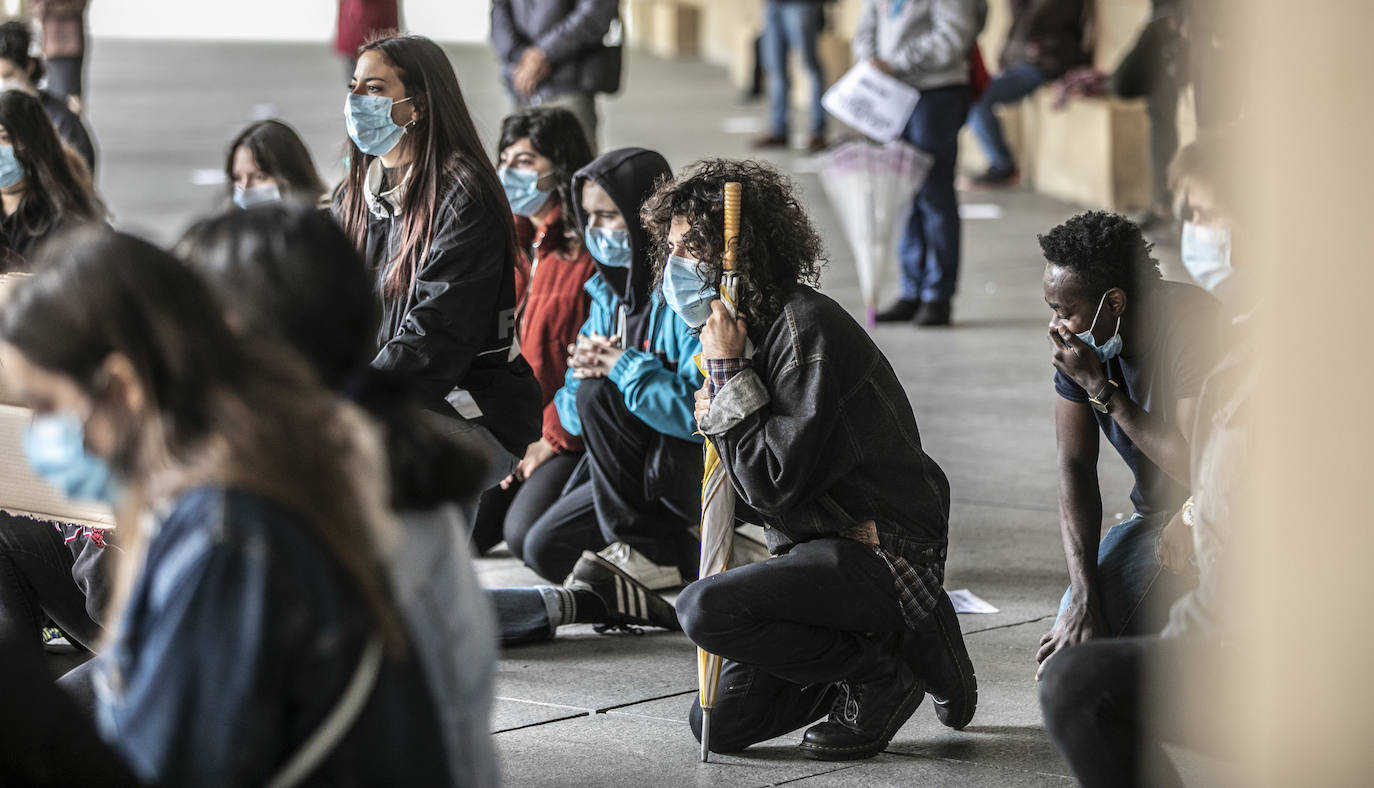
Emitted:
pixel 55 446
pixel 610 247
pixel 1206 253
pixel 369 123
pixel 11 171
pixel 687 292
pixel 1109 349
pixel 258 195
pixel 522 190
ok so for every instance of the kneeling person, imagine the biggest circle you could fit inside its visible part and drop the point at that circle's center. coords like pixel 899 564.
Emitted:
pixel 820 442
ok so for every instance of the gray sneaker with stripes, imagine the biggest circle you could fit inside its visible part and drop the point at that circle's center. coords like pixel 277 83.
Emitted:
pixel 628 602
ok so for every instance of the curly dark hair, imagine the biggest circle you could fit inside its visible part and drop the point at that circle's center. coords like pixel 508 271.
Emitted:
pixel 776 247
pixel 1105 250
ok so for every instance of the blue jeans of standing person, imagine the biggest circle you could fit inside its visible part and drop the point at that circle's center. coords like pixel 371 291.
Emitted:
pixel 793 25
pixel 1134 588
pixel 1010 86
pixel 929 249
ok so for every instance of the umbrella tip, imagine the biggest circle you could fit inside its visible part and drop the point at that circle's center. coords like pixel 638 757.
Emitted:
pixel 705 735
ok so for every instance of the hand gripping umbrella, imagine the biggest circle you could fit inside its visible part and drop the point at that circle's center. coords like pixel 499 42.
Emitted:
pixel 717 496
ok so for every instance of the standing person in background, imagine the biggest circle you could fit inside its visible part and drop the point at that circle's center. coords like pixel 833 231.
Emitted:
pixel 540 149
pixel 927 44
pixel 360 20
pixel 64 47
pixel 1045 40
pixel 41 188
pixel 20 69
pixel 268 162
pixel 1157 68
pixel 559 52
pixel 793 25
pixel 423 204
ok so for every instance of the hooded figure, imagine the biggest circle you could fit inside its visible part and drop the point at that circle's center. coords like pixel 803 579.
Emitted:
pixel 638 493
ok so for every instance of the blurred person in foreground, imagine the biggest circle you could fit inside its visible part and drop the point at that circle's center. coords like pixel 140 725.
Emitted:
pixel 848 620
pixel 256 637
pixel 1110 705
pixel 1130 352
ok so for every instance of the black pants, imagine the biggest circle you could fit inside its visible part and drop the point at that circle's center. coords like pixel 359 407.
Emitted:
pixel 36 580
pixel 1155 68
pixel 790 627
pixel 509 514
pixel 644 490
pixel 1109 708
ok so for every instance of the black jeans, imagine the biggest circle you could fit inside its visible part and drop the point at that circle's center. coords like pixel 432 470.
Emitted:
pixel 788 628
pixel 1155 68
pixel 36 565
pixel 644 490
pixel 1108 708
pixel 509 514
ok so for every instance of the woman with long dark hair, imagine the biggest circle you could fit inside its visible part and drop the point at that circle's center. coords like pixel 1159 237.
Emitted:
pixel 19 67
pixel 423 204
pixel 41 188
pixel 256 637
pixel 540 149
pixel 267 162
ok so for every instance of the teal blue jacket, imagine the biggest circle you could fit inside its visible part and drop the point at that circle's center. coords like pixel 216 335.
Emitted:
pixel 658 382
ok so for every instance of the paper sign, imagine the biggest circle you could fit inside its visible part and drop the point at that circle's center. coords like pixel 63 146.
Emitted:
pixel 965 601
pixel 871 102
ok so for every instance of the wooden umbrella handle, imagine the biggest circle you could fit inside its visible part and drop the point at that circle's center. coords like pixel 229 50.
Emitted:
pixel 732 192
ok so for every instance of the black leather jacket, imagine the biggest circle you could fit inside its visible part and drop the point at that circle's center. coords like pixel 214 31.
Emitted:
pixel 453 336
pixel 818 436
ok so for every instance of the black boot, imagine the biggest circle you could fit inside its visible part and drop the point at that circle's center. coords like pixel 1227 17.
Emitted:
pixel 867 714
pixel 900 312
pixel 933 313
pixel 942 660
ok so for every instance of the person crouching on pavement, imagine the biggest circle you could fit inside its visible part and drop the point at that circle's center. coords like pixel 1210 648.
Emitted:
pixel 849 617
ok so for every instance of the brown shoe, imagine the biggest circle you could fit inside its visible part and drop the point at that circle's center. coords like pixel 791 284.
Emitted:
pixel 817 143
pixel 770 141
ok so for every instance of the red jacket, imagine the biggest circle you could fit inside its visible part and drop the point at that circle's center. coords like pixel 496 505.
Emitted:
pixel 553 309
pixel 360 18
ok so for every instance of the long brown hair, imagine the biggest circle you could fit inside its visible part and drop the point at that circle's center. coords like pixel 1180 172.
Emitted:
pixel 445 147
pixel 55 188
pixel 242 415
pixel 281 153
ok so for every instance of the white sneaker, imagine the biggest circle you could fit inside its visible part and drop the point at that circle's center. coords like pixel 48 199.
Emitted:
pixel 636 565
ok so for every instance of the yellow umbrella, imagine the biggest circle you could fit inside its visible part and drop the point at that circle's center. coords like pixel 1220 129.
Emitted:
pixel 717 496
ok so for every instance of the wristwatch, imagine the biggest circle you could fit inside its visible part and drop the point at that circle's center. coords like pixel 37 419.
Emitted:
pixel 1100 400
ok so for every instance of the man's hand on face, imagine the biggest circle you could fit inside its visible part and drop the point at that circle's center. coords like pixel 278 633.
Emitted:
pixel 592 356
pixel 1078 624
pixel 723 336
pixel 1073 357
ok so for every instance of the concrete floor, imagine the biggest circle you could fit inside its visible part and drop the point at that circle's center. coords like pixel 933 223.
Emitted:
pixel 609 710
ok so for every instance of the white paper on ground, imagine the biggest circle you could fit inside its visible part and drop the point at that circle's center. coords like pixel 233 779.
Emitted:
pixel 871 102
pixel 742 124
pixel 980 210
pixel 965 601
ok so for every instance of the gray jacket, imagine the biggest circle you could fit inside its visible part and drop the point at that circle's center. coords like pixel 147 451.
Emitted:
pixel 927 42
pixel 572 33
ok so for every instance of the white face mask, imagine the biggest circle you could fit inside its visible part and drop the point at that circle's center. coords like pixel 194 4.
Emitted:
pixel 1206 253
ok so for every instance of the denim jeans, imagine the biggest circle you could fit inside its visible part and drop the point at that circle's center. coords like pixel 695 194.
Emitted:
pixel 1135 589
pixel 929 249
pixel 792 25
pixel 1010 86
